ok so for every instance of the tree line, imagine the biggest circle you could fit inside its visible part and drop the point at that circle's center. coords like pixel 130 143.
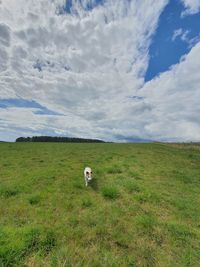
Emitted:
pixel 57 139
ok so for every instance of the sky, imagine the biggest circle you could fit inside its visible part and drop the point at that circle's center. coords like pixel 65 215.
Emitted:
pixel 117 70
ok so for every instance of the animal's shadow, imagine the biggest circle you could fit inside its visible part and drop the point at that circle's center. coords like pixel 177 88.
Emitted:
pixel 94 185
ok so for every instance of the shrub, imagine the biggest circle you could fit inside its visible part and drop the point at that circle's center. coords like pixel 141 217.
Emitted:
pixel 34 200
pixel 49 242
pixel 38 240
pixel 132 186
pixel 8 192
pixel 110 192
pixel 32 240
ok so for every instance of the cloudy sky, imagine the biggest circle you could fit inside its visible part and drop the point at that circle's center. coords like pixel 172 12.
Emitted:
pixel 118 70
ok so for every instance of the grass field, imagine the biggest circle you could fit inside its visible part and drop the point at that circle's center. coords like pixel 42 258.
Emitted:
pixel 142 209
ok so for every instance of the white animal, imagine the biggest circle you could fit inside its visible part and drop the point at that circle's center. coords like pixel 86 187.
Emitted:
pixel 87 175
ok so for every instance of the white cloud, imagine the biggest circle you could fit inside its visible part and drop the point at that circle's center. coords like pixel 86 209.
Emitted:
pixel 177 33
pixel 174 96
pixel 192 7
pixel 184 36
pixel 84 65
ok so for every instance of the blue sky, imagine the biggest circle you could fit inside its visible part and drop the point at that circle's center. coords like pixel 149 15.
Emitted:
pixel 87 5
pixel 164 51
pixel 22 103
pixel 114 70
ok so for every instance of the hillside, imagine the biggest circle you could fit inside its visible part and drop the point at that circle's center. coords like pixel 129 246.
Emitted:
pixel 142 208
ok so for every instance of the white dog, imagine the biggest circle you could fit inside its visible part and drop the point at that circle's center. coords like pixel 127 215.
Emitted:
pixel 87 175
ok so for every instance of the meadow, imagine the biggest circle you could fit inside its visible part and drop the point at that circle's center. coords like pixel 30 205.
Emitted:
pixel 141 209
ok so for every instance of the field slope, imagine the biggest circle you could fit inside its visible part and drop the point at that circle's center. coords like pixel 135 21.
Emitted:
pixel 142 209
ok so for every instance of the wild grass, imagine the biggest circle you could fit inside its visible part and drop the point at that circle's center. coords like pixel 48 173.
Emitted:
pixel 141 209
pixel 110 192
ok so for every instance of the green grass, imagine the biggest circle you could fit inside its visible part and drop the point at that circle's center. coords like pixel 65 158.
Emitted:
pixel 110 192
pixel 141 209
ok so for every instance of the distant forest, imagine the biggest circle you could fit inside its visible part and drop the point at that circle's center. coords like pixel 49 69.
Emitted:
pixel 57 139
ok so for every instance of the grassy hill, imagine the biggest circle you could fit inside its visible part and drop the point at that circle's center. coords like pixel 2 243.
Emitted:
pixel 142 209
